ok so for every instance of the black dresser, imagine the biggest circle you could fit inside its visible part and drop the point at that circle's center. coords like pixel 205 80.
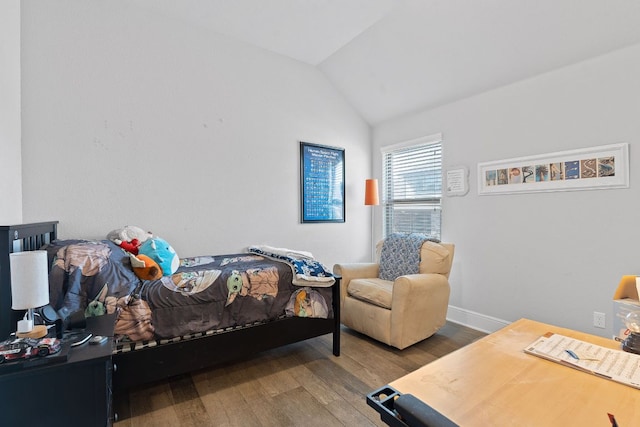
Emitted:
pixel 75 392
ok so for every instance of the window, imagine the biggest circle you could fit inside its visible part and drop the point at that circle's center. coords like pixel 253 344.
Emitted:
pixel 412 186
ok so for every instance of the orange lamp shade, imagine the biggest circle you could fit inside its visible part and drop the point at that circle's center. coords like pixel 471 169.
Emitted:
pixel 371 192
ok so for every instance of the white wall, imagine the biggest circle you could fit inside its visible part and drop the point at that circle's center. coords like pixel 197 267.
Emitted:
pixel 133 118
pixel 130 118
pixel 554 257
pixel 10 159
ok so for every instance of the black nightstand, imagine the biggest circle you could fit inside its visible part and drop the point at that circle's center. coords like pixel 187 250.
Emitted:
pixel 76 392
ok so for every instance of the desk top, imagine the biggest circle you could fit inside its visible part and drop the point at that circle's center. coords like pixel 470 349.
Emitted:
pixel 493 382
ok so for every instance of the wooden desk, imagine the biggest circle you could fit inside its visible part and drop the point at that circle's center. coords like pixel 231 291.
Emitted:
pixel 492 382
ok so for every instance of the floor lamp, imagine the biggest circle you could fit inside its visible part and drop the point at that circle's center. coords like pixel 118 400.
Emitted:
pixel 371 199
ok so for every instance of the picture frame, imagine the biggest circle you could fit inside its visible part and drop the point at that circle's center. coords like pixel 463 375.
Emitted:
pixel 456 179
pixel 602 167
pixel 322 183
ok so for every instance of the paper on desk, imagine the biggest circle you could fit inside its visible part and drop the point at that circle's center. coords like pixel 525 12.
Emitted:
pixel 612 364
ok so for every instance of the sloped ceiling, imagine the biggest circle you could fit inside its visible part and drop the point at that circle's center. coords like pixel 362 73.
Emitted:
pixel 393 57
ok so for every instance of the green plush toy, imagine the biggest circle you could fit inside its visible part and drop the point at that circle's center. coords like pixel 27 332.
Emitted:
pixel 97 306
pixel 234 284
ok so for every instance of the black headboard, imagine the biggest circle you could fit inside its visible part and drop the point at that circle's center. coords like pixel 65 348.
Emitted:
pixel 18 238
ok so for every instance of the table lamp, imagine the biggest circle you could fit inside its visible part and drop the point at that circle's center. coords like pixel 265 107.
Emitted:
pixel 29 289
pixel 632 343
pixel 371 199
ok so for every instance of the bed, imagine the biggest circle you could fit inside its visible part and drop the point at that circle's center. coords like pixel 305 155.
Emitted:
pixel 155 348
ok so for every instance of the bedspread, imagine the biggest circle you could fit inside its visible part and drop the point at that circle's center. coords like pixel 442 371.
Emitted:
pixel 306 269
pixel 206 293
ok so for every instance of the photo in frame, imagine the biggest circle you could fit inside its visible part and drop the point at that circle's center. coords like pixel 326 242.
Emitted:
pixel 322 187
pixel 601 167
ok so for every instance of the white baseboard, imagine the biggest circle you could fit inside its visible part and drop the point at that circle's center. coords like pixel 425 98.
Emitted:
pixel 477 321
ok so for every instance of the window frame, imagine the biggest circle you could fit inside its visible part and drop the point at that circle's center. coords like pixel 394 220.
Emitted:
pixel 434 199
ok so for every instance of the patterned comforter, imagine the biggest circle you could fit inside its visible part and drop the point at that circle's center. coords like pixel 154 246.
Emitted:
pixel 206 293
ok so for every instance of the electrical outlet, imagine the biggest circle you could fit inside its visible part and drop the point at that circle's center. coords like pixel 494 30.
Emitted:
pixel 599 320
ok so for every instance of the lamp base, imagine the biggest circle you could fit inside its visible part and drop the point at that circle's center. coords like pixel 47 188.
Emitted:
pixel 25 325
pixel 632 343
pixel 38 331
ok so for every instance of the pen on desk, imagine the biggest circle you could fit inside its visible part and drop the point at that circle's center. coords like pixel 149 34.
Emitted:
pixel 613 420
pixel 572 354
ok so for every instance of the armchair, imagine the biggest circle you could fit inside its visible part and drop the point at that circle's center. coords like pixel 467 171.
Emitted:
pixel 402 312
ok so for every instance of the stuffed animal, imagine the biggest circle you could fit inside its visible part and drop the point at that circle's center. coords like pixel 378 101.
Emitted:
pixel 129 237
pixel 131 246
pixel 144 267
pixel 234 284
pixel 162 253
pixel 97 306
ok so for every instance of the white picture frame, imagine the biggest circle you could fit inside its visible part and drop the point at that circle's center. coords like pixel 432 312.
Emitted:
pixel 456 181
pixel 602 167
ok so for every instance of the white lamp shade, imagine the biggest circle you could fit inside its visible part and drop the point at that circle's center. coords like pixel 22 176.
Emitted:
pixel 29 279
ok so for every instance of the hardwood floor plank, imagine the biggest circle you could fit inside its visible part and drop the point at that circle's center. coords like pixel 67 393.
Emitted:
pixel 298 384
pixel 221 395
pixel 246 381
pixel 305 410
pixel 349 415
pixel 317 387
pixel 369 360
pixel 153 406
pixel 277 380
pixel 188 406
pixel 270 413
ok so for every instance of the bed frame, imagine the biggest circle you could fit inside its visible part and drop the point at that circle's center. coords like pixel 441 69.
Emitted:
pixel 164 361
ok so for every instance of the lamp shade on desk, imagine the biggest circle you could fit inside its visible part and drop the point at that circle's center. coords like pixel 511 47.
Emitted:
pixel 29 284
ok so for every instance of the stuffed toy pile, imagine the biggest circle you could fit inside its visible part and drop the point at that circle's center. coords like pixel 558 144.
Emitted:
pixel 151 257
pixel 129 238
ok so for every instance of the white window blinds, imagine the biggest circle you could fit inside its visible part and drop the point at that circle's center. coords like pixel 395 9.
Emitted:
pixel 412 187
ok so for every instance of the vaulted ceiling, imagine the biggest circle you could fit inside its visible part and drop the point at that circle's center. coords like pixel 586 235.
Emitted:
pixel 393 57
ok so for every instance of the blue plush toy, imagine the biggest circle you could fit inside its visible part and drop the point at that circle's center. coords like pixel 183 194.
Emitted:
pixel 162 253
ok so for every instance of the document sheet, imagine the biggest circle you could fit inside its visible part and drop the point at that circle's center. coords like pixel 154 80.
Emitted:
pixel 616 365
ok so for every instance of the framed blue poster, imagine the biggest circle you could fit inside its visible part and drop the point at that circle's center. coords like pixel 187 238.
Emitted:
pixel 321 183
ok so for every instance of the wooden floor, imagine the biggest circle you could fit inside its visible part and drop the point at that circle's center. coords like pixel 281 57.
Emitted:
pixel 301 384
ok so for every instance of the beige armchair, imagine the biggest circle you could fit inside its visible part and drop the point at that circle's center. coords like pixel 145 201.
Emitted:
pixel 402 312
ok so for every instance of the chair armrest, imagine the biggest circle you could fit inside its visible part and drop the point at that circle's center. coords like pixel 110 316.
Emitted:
pixel 419 296
pixel 361 270
pixel 407 288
